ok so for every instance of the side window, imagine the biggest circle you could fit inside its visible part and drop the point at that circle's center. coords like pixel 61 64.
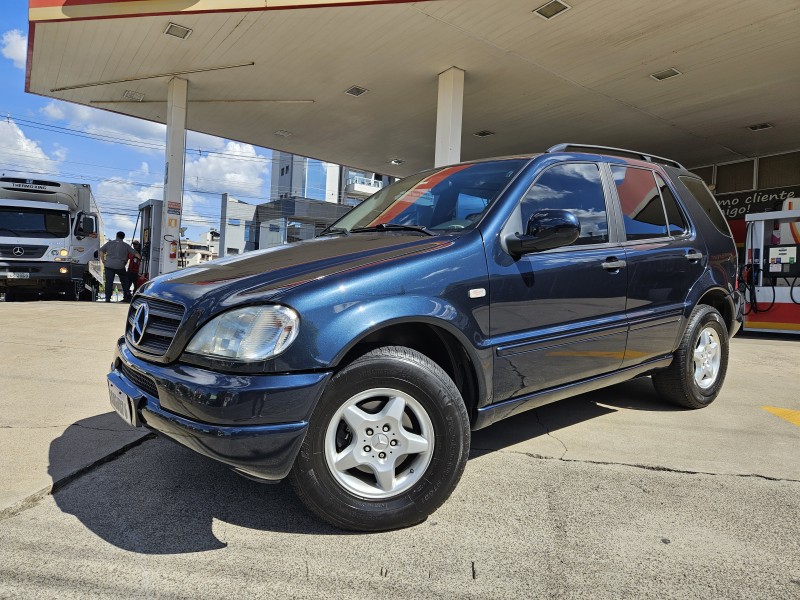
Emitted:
pixel 575 187
pixel 675 220
pixel 640 201
pixel 704 198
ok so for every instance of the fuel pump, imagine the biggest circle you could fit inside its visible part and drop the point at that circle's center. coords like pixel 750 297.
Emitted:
pixel 770 272
pixel 150 218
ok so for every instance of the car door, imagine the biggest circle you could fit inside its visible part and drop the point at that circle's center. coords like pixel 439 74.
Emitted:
pixel 558 316
pixel 664 260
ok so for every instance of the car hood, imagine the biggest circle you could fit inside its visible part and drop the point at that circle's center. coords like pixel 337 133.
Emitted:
pixel 262 274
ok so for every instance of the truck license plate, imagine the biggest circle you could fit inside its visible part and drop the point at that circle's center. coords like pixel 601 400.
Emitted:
pixel 121 403
pixel 19 275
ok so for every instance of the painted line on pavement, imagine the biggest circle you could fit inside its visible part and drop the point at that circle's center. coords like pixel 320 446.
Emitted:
pixel 793 416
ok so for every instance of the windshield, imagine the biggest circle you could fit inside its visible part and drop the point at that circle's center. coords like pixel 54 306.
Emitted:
pixel 440 200
pixel 33 222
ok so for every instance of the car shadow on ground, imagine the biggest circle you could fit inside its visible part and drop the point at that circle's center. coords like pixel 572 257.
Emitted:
pixel 161 498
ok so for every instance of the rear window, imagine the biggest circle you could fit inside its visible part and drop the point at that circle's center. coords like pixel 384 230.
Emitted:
pixel 706 200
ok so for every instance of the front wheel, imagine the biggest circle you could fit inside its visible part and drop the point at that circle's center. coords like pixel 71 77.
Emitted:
pixel 386 444
pixel 698 369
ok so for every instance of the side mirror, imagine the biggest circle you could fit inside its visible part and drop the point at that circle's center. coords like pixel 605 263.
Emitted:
pixel 546 229
pixel 87 226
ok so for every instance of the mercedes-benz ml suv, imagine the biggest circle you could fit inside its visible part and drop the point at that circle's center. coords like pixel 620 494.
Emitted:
pixel 357 363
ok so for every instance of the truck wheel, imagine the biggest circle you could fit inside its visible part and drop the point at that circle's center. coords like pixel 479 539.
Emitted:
pixel 73 293
pixel 386 444
pixel 87 295
pixel 698 369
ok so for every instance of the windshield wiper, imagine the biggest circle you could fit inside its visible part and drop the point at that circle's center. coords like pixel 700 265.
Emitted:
pixel 394 227
pixel 334 231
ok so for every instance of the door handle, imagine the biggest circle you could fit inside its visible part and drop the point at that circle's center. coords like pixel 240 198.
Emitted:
pixel 613 265
pixel 693 255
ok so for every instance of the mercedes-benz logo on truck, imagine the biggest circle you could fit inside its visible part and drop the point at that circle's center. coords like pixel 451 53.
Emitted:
pixel 18 251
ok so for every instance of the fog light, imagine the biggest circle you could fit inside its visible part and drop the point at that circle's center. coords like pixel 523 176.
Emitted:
pixel 63 270
pixel 64 252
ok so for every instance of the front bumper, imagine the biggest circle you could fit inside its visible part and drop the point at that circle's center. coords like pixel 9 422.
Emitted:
pixel 254 423
pixel 40 273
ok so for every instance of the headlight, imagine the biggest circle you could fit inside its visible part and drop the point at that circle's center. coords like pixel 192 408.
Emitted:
pixel 249 334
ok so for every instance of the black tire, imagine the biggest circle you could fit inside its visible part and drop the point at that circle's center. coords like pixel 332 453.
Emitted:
pixel 335 494
pixel 72 294
pixel 685 382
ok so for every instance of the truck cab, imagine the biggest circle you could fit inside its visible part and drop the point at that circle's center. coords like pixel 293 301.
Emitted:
pixel 50 233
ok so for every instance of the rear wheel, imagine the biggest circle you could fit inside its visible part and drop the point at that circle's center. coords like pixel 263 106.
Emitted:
pixel 386 444
pixel 698 369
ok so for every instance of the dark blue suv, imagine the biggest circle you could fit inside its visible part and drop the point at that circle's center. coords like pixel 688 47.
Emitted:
pixel 357 363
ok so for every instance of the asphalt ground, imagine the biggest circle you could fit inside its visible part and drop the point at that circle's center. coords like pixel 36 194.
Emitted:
pixel 607 495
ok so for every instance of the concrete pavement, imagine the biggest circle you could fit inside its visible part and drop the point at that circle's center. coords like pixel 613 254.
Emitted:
pixel 607 495
pixel 52 385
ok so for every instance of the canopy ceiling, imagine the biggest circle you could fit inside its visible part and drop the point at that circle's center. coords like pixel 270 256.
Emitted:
pixel 261 67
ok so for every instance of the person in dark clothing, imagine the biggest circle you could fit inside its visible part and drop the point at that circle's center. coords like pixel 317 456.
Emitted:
pixel 114 255
pixel 134 260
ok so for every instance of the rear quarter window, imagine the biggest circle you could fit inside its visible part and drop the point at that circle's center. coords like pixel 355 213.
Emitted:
pixel 706 200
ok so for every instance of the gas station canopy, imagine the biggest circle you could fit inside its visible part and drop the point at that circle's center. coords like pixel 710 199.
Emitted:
pixel 275 73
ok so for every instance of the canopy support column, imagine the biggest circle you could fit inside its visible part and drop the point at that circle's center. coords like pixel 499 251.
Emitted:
pixel 449 116
pixel 174 169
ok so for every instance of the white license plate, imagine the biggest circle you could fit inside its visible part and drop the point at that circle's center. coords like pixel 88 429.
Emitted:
pixel 19 275
pixel 122 404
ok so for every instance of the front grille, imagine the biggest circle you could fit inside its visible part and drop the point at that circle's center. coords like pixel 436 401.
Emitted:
pixel 143 382
pixel 7 251
pixel 162 323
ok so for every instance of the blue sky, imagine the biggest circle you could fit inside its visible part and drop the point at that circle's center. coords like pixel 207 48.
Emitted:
pixel 120 157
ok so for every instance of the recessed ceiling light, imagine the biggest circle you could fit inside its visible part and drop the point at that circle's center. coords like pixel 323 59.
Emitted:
pixel 131 95
pixel 551 9
pixel 356 91
pixel 397 161
pixel 483 133
pixel 665 74
pixel 179 31
pixel 282 133
pixel 760 126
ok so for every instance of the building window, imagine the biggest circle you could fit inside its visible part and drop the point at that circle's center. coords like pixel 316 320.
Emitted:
pixel 735 177
pixel 778 171
pixel 705 173
pixel 234 222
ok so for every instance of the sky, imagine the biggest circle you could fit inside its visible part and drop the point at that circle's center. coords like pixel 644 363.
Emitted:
pixel 122 158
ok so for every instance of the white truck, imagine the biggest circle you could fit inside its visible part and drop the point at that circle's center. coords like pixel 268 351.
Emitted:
pixel 50 234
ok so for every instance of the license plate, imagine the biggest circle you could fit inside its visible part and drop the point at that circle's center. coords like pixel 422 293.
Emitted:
pixel 19 275
pixel 123 404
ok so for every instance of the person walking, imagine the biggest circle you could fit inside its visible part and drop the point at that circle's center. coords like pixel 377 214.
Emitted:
pixel 134 260
pixel 114 255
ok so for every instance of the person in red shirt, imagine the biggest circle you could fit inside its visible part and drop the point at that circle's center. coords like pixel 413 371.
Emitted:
pixel 134 260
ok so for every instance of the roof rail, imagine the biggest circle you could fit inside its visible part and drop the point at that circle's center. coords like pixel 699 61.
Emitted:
pixel 615 152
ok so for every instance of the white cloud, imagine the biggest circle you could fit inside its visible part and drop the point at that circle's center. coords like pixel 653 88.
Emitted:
pixel 15 47
pixel 242 172
pixel 23 155
pixel 119 200
pixel 145 136
pixel 53 110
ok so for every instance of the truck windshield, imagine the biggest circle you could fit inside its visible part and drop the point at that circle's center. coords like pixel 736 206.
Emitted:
pixel 33 222
pixel 438 201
